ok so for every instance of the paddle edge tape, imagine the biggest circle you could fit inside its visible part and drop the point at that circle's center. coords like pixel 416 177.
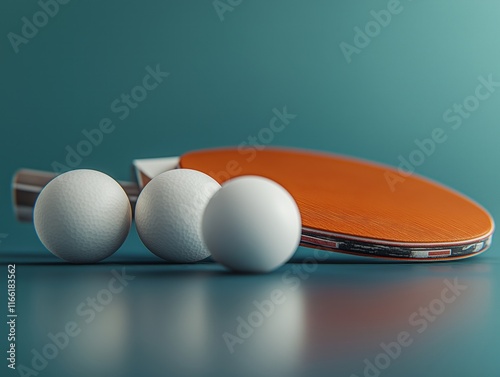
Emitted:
pixel 395 251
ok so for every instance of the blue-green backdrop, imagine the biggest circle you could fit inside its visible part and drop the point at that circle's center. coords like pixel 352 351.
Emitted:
pixel 230 64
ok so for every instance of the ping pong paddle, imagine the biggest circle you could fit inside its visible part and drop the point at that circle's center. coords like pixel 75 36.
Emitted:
pixel 346 204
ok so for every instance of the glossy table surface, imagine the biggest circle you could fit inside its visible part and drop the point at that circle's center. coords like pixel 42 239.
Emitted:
pixel 320 314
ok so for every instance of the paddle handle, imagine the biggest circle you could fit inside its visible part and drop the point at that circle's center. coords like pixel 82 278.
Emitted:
pixel 27 185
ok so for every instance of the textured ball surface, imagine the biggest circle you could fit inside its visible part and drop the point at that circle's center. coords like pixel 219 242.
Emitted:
pixel 169 212
pixel 252 224
pixel 82 216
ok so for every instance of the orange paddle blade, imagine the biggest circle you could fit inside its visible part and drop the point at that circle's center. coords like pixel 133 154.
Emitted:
pixel 352 198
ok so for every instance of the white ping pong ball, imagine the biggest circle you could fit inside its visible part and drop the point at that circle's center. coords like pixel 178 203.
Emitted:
pixel 252 224
pixel 82 216
pixel 169 212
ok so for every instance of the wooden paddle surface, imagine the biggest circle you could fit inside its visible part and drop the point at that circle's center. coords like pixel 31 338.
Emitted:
pixel 351 197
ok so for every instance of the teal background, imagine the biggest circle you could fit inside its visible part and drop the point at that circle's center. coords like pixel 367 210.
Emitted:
pixel 225 79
